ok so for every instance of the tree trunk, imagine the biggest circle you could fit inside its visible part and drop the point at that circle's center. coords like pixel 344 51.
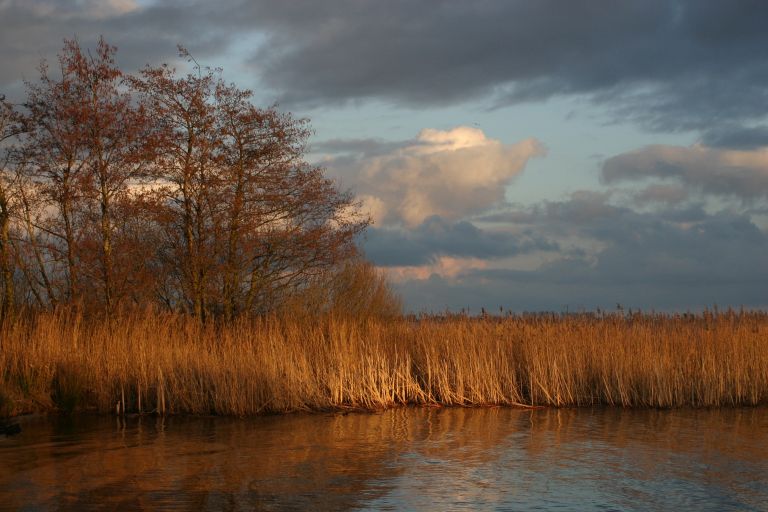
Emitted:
pixel 191 266
pixel 69 239
pixel 30 229
pixel 232 268
pixel 6 262
pixel 106 249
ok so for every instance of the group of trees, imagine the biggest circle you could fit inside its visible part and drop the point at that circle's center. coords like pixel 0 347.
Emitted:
pixel 167 189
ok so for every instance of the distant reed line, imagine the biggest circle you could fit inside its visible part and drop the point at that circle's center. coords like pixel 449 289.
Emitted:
pixel 172 364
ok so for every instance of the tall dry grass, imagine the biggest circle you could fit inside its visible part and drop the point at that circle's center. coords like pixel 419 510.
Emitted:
pixel 172 364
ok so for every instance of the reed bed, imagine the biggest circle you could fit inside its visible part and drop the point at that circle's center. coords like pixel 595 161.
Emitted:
pixel 171 364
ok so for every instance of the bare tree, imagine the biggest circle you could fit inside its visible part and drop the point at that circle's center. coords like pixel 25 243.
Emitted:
pixel 247 219
pixel 283 221
pixel 184 111
pixel 56 156
pixel 89 144
pixel 166 188
pixel 10 127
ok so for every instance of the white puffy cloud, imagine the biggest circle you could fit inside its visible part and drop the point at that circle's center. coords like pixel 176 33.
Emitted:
pixel 450 173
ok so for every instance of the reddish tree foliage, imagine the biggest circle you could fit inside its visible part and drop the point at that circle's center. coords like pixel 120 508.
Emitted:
pixel 88 143
pixel 10 127
pixel 170 189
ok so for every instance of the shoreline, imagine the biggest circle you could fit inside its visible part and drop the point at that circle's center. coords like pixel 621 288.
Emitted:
pixel 25 417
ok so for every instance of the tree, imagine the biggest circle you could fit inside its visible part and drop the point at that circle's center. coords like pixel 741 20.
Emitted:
pixel 163 189
pixel 10 127
pixel 183 111
pixel 247 220
pixel 56 156
pixel 283 220
pixel 89 143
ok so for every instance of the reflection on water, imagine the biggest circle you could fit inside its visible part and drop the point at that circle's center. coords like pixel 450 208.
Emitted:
pixel 417 459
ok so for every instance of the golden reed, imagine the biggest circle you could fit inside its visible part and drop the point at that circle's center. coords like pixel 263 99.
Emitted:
pixel 171 364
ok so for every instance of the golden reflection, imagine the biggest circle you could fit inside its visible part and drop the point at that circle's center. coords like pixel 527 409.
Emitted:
pixel 401 458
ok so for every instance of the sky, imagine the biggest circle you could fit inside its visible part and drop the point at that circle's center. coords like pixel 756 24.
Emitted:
pixel 525 155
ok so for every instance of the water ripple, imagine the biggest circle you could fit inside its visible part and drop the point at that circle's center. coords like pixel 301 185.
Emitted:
pixel 402 459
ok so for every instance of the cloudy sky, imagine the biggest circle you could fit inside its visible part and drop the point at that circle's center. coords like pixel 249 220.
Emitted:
pixel 533 155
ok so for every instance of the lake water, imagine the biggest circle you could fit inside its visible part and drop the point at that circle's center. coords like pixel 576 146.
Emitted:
pixel 401 459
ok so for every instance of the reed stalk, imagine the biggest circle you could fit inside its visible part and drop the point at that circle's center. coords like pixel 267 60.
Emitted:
pixel 172 364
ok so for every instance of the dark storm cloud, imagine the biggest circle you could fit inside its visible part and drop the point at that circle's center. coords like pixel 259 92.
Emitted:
pixel 667 64
pixel 676 259
pixel 33 30
pixel 721 250
pixel 592 216
pixel 580 210
pixel 542 291
pixel 736 137
pixel 439 237
pixel 439 52
pixel 670 65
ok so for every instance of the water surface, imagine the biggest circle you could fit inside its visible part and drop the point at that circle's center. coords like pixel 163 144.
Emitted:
pixel 401 459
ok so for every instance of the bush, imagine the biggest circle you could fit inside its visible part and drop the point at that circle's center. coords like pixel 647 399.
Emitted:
pixel 355 289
